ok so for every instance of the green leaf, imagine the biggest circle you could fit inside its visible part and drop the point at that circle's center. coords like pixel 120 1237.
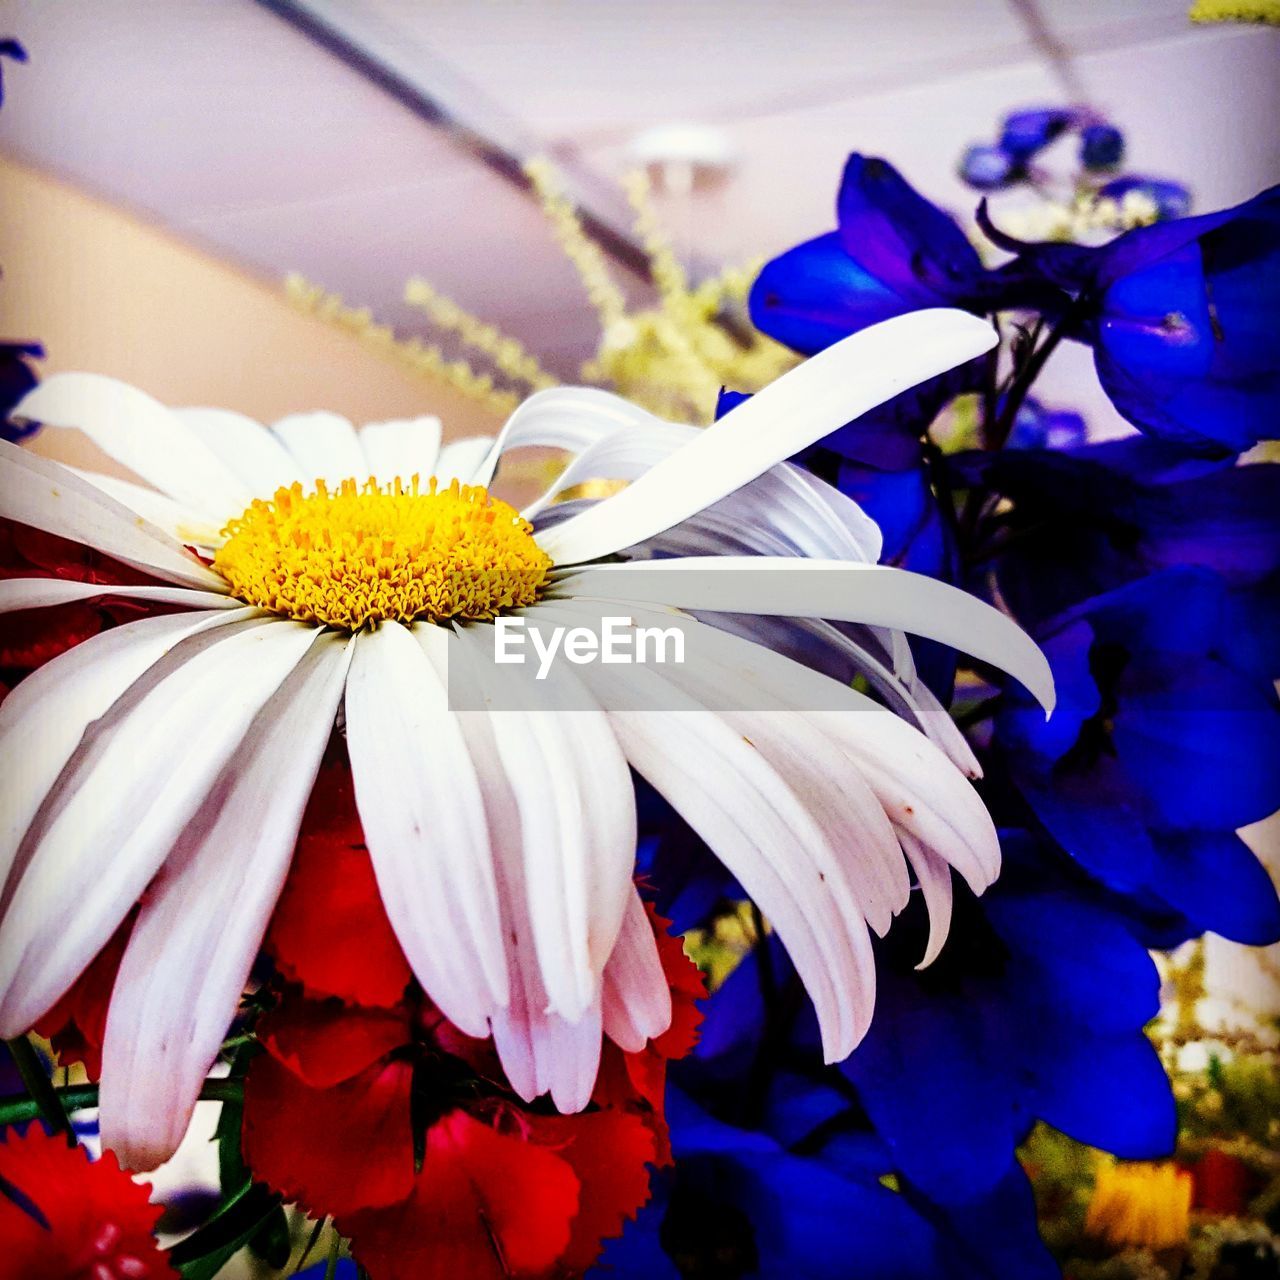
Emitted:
pixel 271 1242
pixel 238 1219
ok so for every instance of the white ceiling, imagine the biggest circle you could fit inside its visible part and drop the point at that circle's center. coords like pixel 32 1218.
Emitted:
pixel 230 126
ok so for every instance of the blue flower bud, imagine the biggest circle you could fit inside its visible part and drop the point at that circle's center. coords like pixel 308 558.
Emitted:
pixel 986 167
pixel 1026 132
pixel 1101 146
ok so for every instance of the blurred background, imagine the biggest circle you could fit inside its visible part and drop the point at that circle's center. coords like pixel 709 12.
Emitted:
pixel 163 166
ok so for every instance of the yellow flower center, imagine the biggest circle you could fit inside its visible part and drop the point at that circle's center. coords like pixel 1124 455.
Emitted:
pixel 378 553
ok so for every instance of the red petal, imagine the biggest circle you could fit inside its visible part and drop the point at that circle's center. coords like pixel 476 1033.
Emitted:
pixel 610 1152
pixel 78 1022
pixel 99 1219
pixel 31 637
pixel 487 1206
pixel 687 987
pixel 324 1042
pixel 330 931
pixel 333 1151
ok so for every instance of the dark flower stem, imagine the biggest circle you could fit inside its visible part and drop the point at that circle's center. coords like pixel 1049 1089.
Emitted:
pixel 21 1107
pixel 44 1100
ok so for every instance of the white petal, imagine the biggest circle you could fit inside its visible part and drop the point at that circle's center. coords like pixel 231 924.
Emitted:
pixel 324 447
pixel 125 796
pixel 724 788
pixel 202 921
pixel 935 884
pixel 424 821
pixel 870 593
pixel 637 997
pixel 144 435
pixel 908 695
pixel 826 391
pixel 857 851
pixel 570 418
pixel 184 526
pixel 38 593
pixel 406 447
pixel 577 808
pixel 51 497
pixel 918 787
pixel 45 716
pixel 246 447
pixel 461 460
pixel 784 511
pixel 541 1052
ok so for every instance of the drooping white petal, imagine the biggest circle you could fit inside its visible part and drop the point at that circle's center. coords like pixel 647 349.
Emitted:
pixel 406 447
pixel 858 852
pixel 324 447
pixel 785 510
pixel 423 817
pixel 572 418
pixel 187 527
pixel 728 793
pixel 869 593
pixel 140 432
pixel 637 997
pixel 38 593
pixel 826 391
pixel 201 924
pixel 246 447
pixel 52 498
pixel 907 694
pixel 918 787
pixel 577 810
pixel 540 1051
pixel 123 799
pixel 935 885
pixel 461 460
pixel 44 717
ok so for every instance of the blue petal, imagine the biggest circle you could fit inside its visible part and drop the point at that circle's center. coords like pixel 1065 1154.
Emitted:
pixel 940 1094
pixel 902 239
pixel 1108 1091
pixel 1199 741
pixel 1217 881
pixel 815 294
pixel 996 1234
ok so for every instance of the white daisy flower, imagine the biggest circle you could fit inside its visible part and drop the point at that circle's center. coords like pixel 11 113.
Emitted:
pixel 168 761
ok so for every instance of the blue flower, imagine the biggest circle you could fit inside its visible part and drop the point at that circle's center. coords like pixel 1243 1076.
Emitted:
pixel 9 48
pixel 894 252
pixel 1037 427
pixel 1181 318
pixel 739 1202
pixel 987 168
pixel 16 379
pixel 1172 199
pixel 1101 146
pixel 1034 1010
pixel 1027 132
pixel 1162 745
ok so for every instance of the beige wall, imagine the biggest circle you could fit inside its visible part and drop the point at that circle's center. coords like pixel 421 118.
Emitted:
pixel 107 292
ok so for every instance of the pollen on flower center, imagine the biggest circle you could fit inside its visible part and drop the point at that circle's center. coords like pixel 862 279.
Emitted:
pixel 377 553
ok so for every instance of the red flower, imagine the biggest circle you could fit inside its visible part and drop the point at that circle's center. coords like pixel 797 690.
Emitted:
pixel 75 1026
pixel 64 1217
pixel 1223 1184
pixel 332 1107
pixel 330 932
pixel 31 637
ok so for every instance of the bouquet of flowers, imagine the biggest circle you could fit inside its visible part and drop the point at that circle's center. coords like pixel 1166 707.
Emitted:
pixel 763 961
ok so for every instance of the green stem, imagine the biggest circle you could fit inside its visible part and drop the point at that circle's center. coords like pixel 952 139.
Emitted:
pixel 18 1108
pixel 43 1099
pixel 331 1266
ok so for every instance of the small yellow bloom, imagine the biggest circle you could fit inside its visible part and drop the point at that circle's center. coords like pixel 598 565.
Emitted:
pixel 1146 1205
